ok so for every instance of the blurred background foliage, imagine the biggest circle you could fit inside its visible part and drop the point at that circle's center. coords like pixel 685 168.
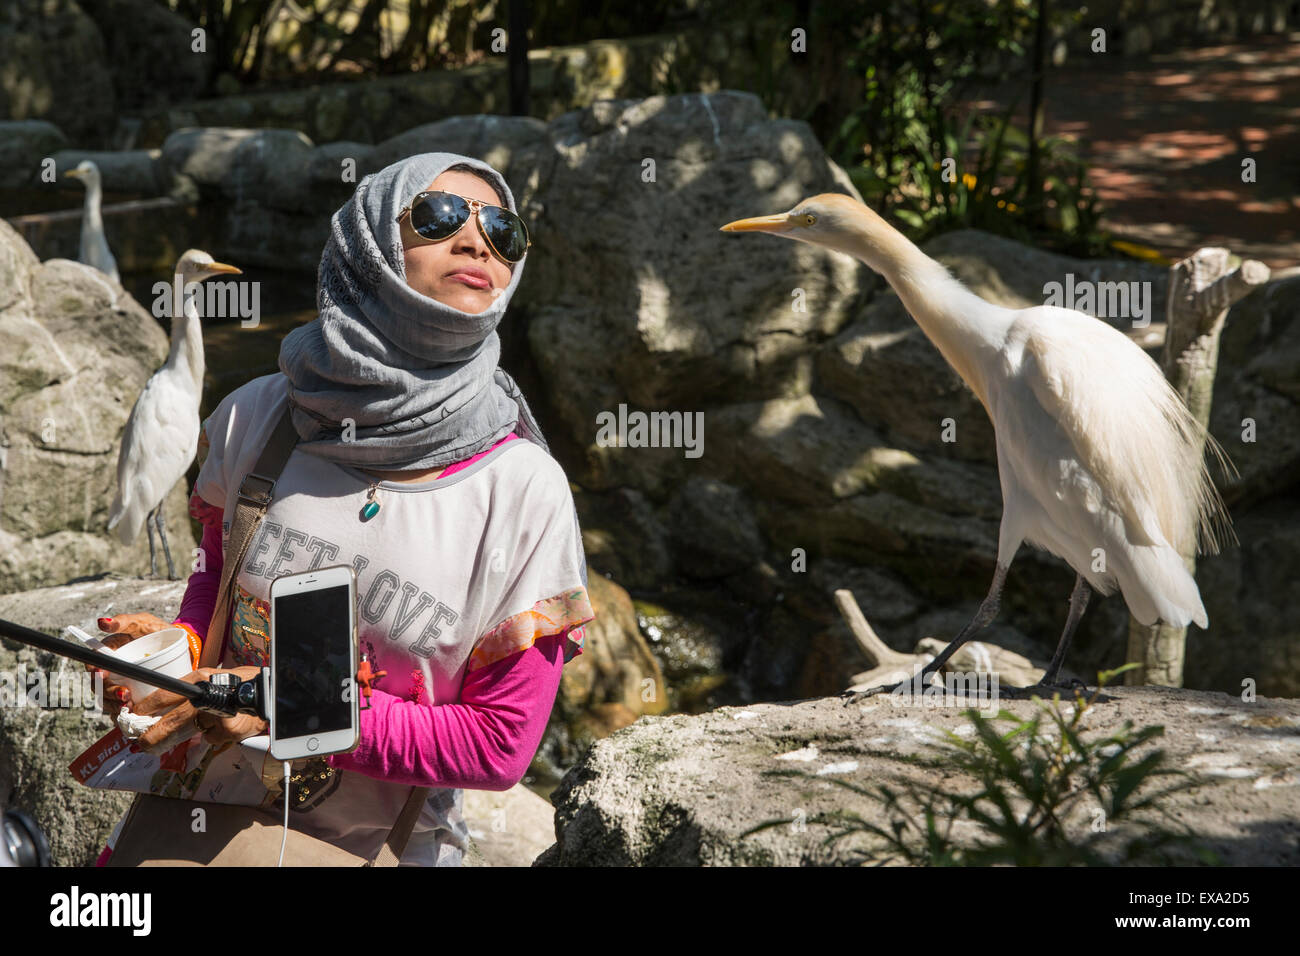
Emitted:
pixel 893 88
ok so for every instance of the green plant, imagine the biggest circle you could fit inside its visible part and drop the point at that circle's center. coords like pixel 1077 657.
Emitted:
pixel 1039 795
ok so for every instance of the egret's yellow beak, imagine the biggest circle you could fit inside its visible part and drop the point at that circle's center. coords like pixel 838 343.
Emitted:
pixel 778 223
pixel 74 174
pixel 222 267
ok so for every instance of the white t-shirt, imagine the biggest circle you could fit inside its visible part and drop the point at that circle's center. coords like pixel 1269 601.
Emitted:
pixel 446 569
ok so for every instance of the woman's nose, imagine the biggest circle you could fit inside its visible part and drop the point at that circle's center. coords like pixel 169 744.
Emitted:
pixel 471 240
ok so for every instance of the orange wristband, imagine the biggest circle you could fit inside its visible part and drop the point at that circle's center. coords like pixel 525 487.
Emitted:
pixel 196 643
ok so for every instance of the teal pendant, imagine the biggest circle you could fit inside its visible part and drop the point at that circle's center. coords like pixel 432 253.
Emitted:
pixel 371 507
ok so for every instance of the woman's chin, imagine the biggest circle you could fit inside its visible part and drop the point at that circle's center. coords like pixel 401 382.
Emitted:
pixel 466 300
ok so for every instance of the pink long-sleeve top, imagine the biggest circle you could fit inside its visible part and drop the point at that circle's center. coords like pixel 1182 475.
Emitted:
pixel 484 742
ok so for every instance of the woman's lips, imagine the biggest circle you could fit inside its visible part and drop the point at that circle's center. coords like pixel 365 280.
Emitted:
pixel 471 280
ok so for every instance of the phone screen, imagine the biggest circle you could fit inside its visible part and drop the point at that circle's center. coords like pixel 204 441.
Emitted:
pixel 313 663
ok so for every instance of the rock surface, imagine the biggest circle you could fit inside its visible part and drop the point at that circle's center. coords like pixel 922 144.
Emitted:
pixel 683 790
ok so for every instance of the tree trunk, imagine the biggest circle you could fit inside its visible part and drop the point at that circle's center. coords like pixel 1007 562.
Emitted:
pixel 1202 288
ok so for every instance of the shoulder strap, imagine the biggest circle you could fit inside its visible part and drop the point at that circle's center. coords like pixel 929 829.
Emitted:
pixel 255 493
pixel 392 849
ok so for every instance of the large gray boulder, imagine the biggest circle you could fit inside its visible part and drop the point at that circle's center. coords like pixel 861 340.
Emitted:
pixel 684 790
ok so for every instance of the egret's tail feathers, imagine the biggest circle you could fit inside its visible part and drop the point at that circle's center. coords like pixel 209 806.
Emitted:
pixel 1158 586
pixel 127 520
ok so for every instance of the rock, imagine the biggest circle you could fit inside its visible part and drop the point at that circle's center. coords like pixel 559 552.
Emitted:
pixel 239 164
pixel 136 171
pixel 1250 594
pixel 692 644
pixel 36 746
pixel 63 323
pixel 684 790
pixel 622 532
pixel 152 52
pixel 679 316
pixel 712 529
pixel 616 665
pixel 508 828
pixel 499 141
pixel 39 41
pixel 24 146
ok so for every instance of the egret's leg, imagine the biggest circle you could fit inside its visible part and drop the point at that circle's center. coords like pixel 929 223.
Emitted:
pixel 1078 604
pixel 988 610
pixel 153 555
pixel 162 534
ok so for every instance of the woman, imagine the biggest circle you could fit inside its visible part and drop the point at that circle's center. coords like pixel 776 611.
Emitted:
pixel 420 465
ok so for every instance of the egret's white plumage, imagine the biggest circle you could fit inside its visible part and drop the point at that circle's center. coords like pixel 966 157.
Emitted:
pixel 93 249
pixel 162 434
pixel 1095 448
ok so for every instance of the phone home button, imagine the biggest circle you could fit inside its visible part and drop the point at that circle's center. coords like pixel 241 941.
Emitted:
pixel 312 743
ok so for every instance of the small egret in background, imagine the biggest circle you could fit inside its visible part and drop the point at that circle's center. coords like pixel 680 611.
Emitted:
pixel 1099 459
pixel 162 434
pixel 93 250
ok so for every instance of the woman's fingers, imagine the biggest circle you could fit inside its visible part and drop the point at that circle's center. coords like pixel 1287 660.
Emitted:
pixel 127 627
pixel 162 700
pixel 176 725
pixel 235 728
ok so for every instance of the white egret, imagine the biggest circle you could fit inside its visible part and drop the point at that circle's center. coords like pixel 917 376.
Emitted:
pixel 1099 459
pixel 162 434
pixel 93 250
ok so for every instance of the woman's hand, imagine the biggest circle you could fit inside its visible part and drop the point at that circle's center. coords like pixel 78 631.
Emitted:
pixel 180 720
pixel 122 630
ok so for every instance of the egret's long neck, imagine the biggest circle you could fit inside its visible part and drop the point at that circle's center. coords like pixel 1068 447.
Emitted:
pixel 966 329
pixel 187 338
pixel 94 198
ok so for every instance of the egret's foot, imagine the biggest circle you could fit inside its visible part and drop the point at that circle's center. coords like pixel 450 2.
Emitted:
pixel 851 697
pixel 1066 688
pixel 902 687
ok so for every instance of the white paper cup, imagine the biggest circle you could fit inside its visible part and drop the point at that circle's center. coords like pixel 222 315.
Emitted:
pixel 166 651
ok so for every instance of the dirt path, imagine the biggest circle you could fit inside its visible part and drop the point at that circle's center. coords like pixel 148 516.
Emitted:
pixel 1166 139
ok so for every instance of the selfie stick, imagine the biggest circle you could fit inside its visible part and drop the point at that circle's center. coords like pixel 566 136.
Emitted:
pixel 226 694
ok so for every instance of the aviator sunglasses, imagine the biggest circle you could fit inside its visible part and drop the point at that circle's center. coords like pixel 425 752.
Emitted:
pixel 436 216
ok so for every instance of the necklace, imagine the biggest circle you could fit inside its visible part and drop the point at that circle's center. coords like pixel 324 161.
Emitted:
pixel 371 507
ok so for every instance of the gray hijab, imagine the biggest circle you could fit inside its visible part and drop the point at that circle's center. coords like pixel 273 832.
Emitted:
pixel 418 379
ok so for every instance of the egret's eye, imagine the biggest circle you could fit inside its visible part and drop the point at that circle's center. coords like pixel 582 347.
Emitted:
pixel 809 218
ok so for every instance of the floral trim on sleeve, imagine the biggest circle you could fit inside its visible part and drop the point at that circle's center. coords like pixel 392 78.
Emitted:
pixel 561 614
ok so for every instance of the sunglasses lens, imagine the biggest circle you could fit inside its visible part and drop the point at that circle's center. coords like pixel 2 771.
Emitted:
pixel 439 215
pixel 507 231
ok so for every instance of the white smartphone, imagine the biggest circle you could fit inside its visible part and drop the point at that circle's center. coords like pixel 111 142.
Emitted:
pixel 314 707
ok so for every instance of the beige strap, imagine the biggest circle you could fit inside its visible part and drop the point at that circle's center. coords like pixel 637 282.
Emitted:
pixel 392 849
pixel 255 493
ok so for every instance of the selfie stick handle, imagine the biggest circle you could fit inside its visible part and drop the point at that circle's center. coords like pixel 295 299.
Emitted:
pixel 219 698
